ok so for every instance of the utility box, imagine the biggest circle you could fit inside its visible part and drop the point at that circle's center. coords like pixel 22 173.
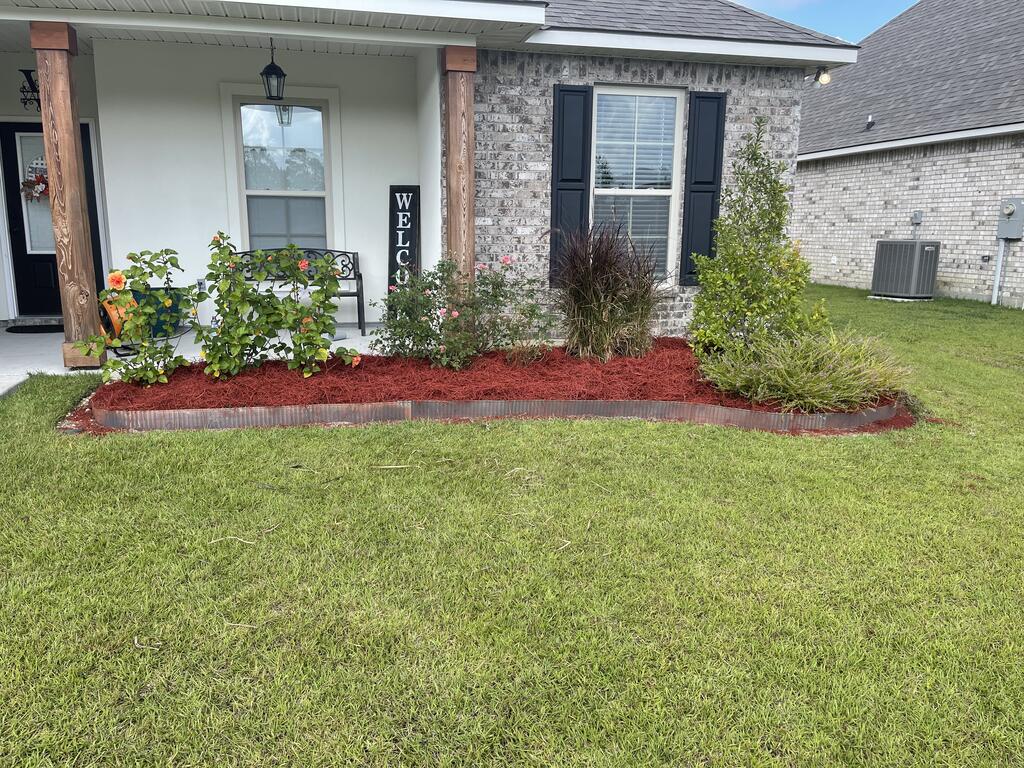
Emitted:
pixel 1011 219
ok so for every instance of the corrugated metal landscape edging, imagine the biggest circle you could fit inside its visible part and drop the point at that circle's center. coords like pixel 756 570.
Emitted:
pixel 458 410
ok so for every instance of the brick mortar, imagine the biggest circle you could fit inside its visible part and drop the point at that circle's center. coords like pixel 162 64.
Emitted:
pixel 844 205
pixel 514 96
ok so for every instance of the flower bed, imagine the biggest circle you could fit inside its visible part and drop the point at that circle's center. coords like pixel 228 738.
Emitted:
pixel 663 385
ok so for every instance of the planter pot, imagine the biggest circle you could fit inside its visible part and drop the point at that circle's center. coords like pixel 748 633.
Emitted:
pixel 160 328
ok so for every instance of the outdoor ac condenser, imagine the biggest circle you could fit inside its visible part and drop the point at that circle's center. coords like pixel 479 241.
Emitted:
pixel 905 269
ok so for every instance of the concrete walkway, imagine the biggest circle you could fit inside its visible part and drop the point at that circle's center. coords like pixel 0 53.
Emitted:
pixel 22 354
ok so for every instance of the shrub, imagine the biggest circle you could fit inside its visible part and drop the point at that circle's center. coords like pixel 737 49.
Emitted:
pixel 254 323
pixel 607 290
pixel 754 286
pixel 441 316
pixel 808 372
pixel 150 308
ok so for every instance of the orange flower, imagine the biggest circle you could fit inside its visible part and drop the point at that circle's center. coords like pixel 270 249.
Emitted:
pixel 116 280
pixel 307 320
pixel 304 264
pixel 216 238
pixel 356 360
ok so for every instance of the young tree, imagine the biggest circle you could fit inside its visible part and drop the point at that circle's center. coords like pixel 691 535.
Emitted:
pixel 753 288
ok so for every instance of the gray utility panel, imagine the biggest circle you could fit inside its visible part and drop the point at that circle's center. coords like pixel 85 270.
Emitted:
pixel 1011 219
pixel 906 269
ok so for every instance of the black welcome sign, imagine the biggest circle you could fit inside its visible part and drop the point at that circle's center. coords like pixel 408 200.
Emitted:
pixel 404 236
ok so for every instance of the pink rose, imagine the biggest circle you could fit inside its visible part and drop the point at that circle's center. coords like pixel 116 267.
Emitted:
pixel 441 349
pixel 480 266
pixel 303 264
pixel 506 260
pixel 442 311
pixel 392 288
pixel 455 313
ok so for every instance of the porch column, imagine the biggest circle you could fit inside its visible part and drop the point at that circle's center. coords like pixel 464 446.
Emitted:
pixel 55 43
pixel 460 137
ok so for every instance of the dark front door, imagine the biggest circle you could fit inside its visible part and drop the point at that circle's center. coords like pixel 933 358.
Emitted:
pixel 31 228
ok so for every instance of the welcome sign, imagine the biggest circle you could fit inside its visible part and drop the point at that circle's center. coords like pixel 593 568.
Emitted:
pixel 404 237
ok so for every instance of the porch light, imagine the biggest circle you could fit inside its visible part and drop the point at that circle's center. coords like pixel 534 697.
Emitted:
pixel 824 77
pixel 284 114
pixel 29 89
pixel 273 78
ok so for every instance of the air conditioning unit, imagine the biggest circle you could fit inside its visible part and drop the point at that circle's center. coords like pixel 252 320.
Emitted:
pixel 905 269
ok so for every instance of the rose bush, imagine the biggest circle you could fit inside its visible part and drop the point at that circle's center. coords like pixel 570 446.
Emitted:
pixel 443 317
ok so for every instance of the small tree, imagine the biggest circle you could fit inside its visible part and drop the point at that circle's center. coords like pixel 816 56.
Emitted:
pixel 753 288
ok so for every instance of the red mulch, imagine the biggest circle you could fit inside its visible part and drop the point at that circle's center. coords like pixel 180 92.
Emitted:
pixel 670 372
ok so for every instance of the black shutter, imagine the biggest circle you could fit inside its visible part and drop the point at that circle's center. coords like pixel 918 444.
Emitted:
pixel 570 172
pixel 703 188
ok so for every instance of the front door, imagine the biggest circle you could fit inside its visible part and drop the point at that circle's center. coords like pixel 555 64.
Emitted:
pixel 28 217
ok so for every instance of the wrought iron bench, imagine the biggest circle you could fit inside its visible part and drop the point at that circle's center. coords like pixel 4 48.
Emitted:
pixel 346 262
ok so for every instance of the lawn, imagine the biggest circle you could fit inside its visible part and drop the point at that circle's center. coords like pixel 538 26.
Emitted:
pixel 528 593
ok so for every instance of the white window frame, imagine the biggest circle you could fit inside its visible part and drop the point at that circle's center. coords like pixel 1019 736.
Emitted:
pixel 233 96
pixel 675 193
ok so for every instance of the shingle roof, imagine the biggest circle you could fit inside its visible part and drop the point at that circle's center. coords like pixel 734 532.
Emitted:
pixel 683 18
pixel 942 66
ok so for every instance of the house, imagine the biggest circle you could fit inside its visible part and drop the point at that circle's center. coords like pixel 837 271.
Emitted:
pixel 504 119
pixel 930 119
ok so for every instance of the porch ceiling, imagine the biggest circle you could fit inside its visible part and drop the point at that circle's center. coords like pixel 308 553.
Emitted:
pixel 297 25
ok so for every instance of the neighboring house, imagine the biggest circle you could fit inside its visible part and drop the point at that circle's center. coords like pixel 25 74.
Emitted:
pixel 943 87
pixel 512 117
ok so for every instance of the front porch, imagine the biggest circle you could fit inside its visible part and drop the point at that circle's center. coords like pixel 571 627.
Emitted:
pixel 23 354
pixel 177 145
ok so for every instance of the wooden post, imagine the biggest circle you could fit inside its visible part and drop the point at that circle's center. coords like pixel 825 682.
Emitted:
pixel 460 135
pixel 55 43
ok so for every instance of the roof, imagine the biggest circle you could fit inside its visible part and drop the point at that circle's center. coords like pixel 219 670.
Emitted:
pixel 682 18
pixel 943 66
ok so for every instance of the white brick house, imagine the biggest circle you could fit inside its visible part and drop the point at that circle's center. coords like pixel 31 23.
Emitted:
pixel 942 89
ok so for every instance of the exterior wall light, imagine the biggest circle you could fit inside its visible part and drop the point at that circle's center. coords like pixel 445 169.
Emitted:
pixel 824 77
pixel 29 90
pixel 284 115
pixel 273 78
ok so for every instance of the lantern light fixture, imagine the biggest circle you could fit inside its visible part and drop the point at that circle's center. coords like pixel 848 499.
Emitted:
pixel 29 90
pixel 273 78
pixel 824 77
pixel 284 114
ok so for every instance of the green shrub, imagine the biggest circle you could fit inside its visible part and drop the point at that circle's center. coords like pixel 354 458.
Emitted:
pixel 254 323
pixel 606 290
pixel 441 316
pixel 809 372
pixel 150 308
pixel 754 286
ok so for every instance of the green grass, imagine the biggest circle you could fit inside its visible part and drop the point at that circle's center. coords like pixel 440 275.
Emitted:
pixel 543 593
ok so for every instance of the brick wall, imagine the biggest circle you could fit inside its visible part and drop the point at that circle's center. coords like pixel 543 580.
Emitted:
pixel 514 102
pixel 842 206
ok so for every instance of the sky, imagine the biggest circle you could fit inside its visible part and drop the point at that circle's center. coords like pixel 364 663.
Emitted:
pixel 851 20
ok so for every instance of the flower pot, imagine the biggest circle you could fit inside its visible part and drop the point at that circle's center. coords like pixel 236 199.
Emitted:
pixel 165 315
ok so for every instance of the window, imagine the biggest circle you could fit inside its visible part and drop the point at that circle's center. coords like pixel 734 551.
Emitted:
pixel 283 166
pixel 636 168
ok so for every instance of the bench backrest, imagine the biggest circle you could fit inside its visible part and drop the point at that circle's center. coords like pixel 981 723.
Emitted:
pixel 346 262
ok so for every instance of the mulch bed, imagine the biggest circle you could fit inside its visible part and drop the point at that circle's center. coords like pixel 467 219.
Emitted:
pixel 670 373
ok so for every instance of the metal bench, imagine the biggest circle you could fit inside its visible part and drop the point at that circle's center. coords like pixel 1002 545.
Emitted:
pixel 346 262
